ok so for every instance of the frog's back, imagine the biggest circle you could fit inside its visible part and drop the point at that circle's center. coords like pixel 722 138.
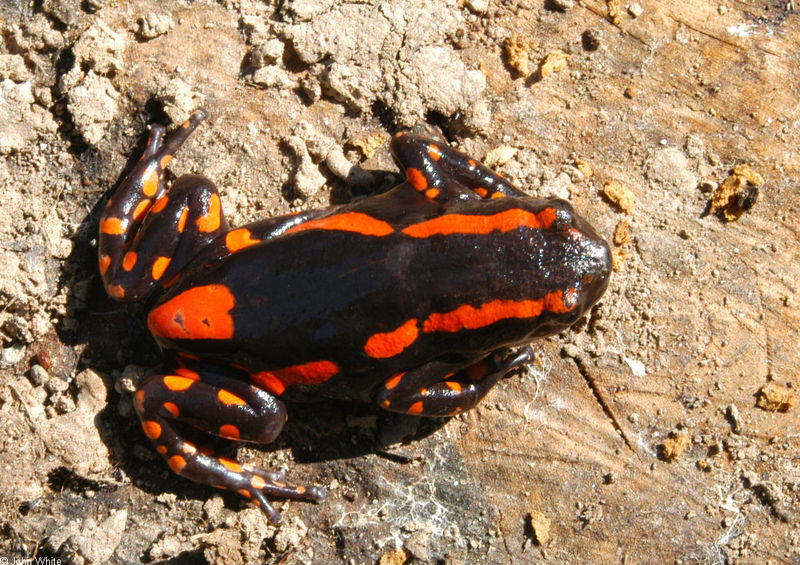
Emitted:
pixel 378 304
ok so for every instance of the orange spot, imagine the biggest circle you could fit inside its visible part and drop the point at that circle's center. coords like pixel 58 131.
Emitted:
pixel 454 386
pixel 162 449
pixel 138 400
pixel 474 224
pixel 269 382
pixel 547 217
pixel 159 266
pixel 141 208
pixel 257 482
pixel 349 221
pixel 559 302
pixel 389 344
pixel 239 239
pixel 211 220
pixel 386 403
pixel 151 429
pixel 300 490
pixel 482 192
pixel 172 408
pixel 103 262
pixel 229 399
pixel 434 152
pixel 393 381
pixel 472 163
pixel 177 384
pixel 188 373
pixel 415 408
pixel 230 464
pixel 182 219
pixel 113 226
pixel 313 372
pixel 229 431
pixel 129 261
pixel 432 193
pixel 243 492
pixel 416 178
pixel 188 356
pixel 498 194
pixel 188 448
pixel 165 161
pixel 202 312
pixel 159 205
pixel 115 291
pixel 469 317
pixel 176 463
pixel 150 181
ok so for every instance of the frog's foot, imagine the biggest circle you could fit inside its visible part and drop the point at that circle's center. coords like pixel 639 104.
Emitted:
pixel 444 389
pixel 224 406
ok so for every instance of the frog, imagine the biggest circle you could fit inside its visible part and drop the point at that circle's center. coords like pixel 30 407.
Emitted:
pixel 418 300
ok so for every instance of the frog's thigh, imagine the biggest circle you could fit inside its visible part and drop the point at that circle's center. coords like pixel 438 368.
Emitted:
pixel 441 389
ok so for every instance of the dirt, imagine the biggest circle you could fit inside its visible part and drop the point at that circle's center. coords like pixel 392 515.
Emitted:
pixel 572 462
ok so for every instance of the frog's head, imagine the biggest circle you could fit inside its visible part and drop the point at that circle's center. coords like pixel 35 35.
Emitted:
pixel 576 261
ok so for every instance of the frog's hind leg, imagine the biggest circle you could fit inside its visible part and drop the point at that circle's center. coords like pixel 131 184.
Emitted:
pixel 442 173
pixel 149 232
pixel 442 389
pixel 225 406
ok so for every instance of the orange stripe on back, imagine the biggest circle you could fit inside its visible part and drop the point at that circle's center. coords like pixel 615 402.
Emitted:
pixel 469 317
pixel 447 224
pixel 389 344
pixel 348 221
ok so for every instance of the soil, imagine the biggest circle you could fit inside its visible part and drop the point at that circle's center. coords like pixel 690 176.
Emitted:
pixel 640 435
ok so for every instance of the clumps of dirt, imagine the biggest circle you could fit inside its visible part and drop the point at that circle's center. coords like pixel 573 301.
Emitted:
pixel 774 397
pixel 737 194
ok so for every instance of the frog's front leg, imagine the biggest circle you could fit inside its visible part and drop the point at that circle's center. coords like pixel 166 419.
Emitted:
pixel 148 232
pixel 441 388
pixel 442 173
pixel 219 403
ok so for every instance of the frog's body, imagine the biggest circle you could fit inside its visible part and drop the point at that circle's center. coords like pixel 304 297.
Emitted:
pixel 410 299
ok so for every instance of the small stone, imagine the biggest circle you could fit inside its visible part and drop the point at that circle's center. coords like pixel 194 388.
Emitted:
pixel 622 233
pixel 584 167
pixel 614 11
pixel 38 375
pixel 499 156
pixel 11 355
pixel 478 6
pixel 153 25
pixel 396 557
pixel 672 447
pixel 517 54
pixel 540 524
pixel 776 398
pixel 555 62
pixel 635 9
pixel 735 418
pixel 620 195
pixel 610 478
pixel 630 92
